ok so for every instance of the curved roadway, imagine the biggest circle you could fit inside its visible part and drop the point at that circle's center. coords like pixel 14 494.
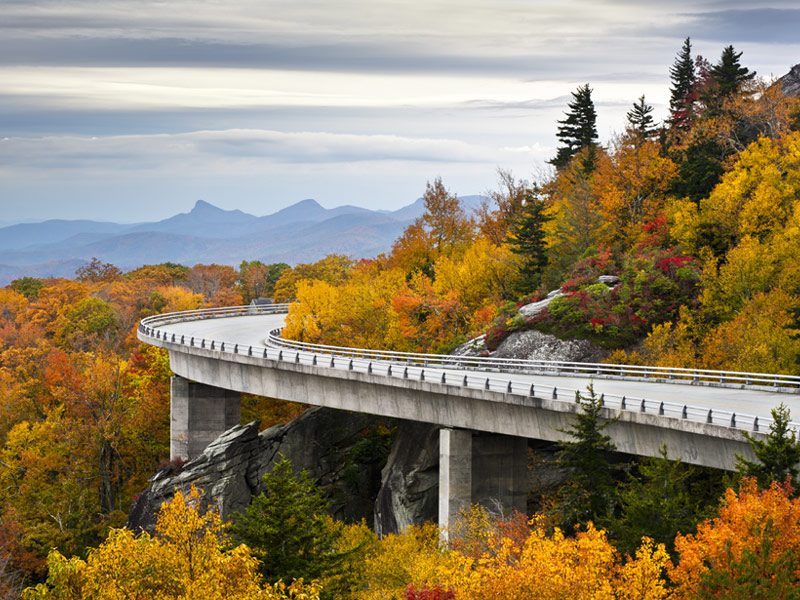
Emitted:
pixel 252 330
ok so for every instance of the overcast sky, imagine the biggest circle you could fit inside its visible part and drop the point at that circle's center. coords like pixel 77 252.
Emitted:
pixel 132 110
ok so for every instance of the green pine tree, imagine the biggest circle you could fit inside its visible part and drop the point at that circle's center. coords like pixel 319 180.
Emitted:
pixel 288 528
pixel 640 121
pixel 683 76
pixel 778 456
pixel 659 501
pixel 527 238
pixel 590 493
pixel 578 130
pixel 729 74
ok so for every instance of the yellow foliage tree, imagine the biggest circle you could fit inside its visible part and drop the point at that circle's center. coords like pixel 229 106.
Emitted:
pixel 185 560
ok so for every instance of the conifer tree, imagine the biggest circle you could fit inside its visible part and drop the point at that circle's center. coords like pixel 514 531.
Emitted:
pixel 683 76
pixel 288 528
pixel 729 74
pixel 528 240
pixel 640 121
pixel 589 495
pixel 778 456
pixel 578 130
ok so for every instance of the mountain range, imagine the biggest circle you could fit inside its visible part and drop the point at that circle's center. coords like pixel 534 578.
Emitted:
pixel 302 232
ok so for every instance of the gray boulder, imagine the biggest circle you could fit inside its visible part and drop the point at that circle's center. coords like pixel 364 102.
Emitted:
pixel 535 345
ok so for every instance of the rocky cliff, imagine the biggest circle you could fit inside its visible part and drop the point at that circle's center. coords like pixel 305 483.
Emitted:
pixel 343 451
pixel 791 81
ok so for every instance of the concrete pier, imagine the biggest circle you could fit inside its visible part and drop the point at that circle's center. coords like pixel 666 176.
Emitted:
pixel 199 413
pixel 480 468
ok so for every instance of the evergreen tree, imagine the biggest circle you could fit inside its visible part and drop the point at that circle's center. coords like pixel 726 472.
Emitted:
pixel 590 494
pixel 578 130
pixel 658 502
pixel 778 456
pixel 682 74
pixel 640 121
pixel 528 240
pixel 288 528
pixel 729 74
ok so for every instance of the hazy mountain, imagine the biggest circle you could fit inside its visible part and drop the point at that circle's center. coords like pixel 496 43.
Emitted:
pixel 303 232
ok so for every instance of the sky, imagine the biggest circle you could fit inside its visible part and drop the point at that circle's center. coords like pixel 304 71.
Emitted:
pixel 132 110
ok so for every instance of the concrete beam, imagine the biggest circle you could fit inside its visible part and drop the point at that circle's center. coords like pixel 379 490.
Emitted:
pixel 199 413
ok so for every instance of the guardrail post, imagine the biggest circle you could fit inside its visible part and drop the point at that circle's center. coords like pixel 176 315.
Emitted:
pixel 182 338
pixel 250 351
pixel 643 406
pixel 333 361
pixel 486 385
pixel 349 365
pixel 280 354
pixel 191 341
pixel 222 347
pixel 509 389
pixel 444 378
pixel 405 373
pixel 710 417
pixel 755 424
pixel 422 374
pixel 685 412
pixel 389 371
pixel 173 337
pixel 369 367
pixel 661 409
pixel 265 353
pixel 212 344
pixel 602 399
pixel 314 360
pixel 466 383
pixel 622 404
pixel 531 393
pixel 202 342
pixel 733 420
pixel 236 348
pixel 297 358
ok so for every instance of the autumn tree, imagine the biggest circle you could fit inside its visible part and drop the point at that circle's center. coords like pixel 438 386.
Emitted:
pixel 777 457
pixel 189 557
pixel 216 283
pixel 97 271
pixel 258 280
pixel 27 286
pixel 749 550
pixel 496 215
pixel 445 220
pixel 578 131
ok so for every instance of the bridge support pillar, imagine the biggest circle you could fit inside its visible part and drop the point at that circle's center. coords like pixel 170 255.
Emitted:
pixel 199 413
pixel 481 468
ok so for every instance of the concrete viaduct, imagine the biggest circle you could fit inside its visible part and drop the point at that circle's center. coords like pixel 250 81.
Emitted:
pixel 487 408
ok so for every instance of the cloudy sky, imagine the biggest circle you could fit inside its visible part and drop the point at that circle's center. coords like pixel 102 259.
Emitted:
pixel 132 110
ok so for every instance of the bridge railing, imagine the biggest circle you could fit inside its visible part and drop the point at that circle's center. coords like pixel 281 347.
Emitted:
pixel 469 372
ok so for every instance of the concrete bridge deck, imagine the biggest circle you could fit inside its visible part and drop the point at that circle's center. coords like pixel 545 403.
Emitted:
pixel 216 358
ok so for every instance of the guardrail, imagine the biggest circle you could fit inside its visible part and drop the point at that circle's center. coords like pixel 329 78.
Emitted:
pixel 461 371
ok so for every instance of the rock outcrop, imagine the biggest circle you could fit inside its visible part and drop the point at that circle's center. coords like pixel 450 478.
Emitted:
pixel 535 345
pixel 343 451
pixel 409 492
pixel 791 82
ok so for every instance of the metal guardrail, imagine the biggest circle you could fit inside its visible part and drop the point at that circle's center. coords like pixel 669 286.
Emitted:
pixel 464 371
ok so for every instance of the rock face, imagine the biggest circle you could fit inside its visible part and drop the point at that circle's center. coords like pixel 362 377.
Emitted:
pixel 409 492
pixel 535 345
pixel 791 82
pixel 343 451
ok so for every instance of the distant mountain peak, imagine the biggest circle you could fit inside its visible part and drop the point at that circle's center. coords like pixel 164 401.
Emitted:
pixel 307 203
pixel 203 206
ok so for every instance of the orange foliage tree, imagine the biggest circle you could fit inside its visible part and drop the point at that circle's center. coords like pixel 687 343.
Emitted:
pixel 750 550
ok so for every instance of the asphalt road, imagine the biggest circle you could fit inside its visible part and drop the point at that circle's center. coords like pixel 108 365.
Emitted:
pixel 252 331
